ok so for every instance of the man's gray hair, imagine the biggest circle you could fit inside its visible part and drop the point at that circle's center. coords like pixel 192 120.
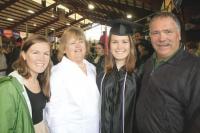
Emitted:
pixel 167 15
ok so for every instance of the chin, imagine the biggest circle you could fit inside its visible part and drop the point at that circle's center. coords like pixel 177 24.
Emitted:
pixel 40 71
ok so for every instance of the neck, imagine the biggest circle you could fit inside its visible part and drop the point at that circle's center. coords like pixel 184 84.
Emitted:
pixel 33 77
pixel 80 63
pixel 83 67
pixel 119 64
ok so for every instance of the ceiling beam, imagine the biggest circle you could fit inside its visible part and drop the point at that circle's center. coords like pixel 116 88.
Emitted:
pixel 125 7
pixel 50 22
pixel 34 15
pixel 85 25
pixel 71 24
pixel 45 25
pixel 97 19
pixel 86 14
pixel 7 4
pixel 94 17
pixel 78 6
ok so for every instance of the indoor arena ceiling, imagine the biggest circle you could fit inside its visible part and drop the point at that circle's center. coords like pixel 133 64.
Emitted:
pixel 49 16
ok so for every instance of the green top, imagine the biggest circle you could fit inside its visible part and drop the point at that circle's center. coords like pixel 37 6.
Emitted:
pixel 157 63
pixel 14 112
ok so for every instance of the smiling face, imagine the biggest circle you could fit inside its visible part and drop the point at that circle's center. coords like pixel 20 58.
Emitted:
pixel 120 48
pixel 99 49
pixel 165 37
pixel 37 57
pixel 76 49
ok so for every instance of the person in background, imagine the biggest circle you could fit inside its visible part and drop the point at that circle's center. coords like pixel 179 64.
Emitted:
pixel 90 55
pixel 118 82
pixel 99 48
pixel 170 90
pixel 74 103
pixel 54 56
pixel 99 59
pixel 12 57
pixel 143 54
pixel 138 37
pixel 3 64
pixel 140 40
pixel 191 47
pixel 197 53
pixel 24 93
pixel 104 40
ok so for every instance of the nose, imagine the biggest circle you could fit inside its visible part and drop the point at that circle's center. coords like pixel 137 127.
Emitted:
pixel 42 57
pixel 162 36
pixel 78 44
pixel 119 45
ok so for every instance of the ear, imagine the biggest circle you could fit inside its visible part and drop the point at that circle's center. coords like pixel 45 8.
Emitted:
pixel 179 35
pixel 23 55
pixel 65 50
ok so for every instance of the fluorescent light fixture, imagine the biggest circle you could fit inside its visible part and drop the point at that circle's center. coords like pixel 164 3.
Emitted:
pixel 67 23
pixel 91 6
pixel 48 2
pixel 52 29
pixel 63 7
pixel 52 15
pixel 30 11
pixel 86 21
pixel 10 19
pixel 129 16
pixel 76 16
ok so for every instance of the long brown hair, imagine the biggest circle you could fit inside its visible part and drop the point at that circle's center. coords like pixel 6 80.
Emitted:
pixel 22 68
pixel 130 60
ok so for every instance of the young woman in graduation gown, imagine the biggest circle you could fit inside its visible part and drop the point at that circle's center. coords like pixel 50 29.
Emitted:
pixel 118 82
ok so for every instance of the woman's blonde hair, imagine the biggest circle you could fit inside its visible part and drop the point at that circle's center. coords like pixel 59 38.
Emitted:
pixel 22 68
pixel 71 32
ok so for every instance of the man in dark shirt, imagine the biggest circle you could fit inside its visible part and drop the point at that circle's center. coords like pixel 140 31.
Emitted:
pixel 169 98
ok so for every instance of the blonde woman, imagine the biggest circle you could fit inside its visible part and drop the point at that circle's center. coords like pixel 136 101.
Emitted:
pixel 74 103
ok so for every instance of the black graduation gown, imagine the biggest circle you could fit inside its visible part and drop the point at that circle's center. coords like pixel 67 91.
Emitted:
pixel 111 107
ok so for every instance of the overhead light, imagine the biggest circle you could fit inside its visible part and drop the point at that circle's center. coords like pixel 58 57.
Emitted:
pixel 67 23
pixel 52 29
pixel 63 7
pixel 91 6
pixel 52 15
pixel 10 19
pixel 129 16
pixel 34 24
pixel 30 11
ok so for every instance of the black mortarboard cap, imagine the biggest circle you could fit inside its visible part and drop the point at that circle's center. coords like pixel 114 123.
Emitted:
pixel 123 27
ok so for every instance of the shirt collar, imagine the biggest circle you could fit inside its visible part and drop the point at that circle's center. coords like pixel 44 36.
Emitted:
pixel 157 63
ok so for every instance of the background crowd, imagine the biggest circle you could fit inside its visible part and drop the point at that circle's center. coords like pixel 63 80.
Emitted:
pixel 130 85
